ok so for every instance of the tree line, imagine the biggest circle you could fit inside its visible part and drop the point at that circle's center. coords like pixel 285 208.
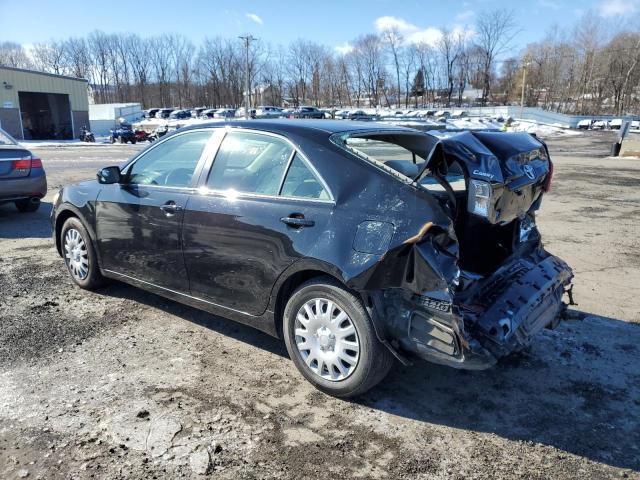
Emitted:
pixel 592 68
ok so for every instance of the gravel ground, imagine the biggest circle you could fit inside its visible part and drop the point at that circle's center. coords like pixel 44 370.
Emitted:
pixel 124 384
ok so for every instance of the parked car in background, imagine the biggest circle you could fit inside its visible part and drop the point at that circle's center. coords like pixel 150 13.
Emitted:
pixel 224 113
pixel 268 112
pixel 22 178
pixel 239 113
pixel 164 112
pixel 196 112
pixel 359 115
pixel 342 114
pixel 150 113
pixel 180 115
pixel 429 255
pixel 308 112
pixel 208 113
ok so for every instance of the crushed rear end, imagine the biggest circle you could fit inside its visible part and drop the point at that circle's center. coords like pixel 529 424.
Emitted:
pixel 468 293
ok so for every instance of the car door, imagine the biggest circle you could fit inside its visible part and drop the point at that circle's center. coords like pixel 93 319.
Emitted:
pixel 138 221
pixel 260 207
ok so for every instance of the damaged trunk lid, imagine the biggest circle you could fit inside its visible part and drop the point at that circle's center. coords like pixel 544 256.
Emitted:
pixel 506 173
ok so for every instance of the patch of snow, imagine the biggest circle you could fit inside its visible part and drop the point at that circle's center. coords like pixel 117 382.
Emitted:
pixel 543 130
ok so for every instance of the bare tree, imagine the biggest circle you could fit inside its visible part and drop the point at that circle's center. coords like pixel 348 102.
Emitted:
pixel 14 55
pixel 393 40
pixel 495 29
pixel 49 57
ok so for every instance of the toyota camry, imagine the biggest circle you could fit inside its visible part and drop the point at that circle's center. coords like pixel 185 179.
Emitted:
pixel 358 244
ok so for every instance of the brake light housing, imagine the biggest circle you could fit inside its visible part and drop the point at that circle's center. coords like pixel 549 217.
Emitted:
pixel 26 163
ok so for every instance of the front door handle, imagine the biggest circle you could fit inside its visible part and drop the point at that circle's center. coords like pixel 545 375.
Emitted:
pixel 170 208
pixel 297 221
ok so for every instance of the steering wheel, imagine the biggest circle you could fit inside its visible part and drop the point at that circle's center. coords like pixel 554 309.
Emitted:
pixel 180 177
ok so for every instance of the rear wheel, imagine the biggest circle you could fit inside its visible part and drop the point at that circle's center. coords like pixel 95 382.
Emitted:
pixel 79 255
pixel 331 339
pixel 28 205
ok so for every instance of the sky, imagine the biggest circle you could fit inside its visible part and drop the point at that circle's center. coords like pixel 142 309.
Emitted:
pixel 334 23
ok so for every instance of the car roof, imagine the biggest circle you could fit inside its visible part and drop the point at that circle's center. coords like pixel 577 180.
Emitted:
pixel 301 125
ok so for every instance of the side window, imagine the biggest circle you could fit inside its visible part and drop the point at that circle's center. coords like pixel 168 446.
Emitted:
pixel 250 162
pixel 171 163
pixel 301 182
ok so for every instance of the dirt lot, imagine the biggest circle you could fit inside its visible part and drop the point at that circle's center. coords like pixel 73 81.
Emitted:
pixel 124 384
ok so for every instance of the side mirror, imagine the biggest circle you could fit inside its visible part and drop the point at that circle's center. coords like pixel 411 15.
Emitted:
pixel 109 175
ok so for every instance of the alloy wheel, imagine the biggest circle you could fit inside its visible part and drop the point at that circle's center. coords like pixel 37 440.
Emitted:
pixel 76 254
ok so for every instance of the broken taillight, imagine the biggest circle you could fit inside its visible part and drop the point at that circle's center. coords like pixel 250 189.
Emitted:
pixel 547 181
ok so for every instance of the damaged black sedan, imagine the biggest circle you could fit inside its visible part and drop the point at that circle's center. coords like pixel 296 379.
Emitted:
pixel 355 243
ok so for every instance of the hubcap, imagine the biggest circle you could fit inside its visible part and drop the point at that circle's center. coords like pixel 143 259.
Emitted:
pixel 76 254
pixel 327 339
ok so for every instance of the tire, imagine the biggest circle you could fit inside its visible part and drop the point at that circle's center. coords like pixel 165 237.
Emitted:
pixel 112 139
pixel 133 141
pixel 72 236
pixel 27 205
pixel 122 140
pixel 334 376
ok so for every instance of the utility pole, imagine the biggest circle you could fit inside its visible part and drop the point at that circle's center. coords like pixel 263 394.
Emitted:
pixel 247 84
pixel 524 82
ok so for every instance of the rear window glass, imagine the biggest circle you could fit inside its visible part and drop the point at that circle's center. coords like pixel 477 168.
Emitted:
pixel 402 154
pixel 381 151
pixel 6 139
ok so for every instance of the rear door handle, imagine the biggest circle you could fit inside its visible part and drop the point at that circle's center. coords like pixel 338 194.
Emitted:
pixel 297 222
pixel 170 208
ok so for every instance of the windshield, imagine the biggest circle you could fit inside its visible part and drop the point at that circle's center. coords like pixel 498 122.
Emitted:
pixel 6 139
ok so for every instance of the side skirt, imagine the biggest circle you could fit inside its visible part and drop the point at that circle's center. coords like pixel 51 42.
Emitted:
pixel 264 322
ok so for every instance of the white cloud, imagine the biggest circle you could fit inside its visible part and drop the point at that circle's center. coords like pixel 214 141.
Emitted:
pixel 345 48
pixel 465 15
pixel 411 33
pixel 255 18
pixel 614 8
pixel 430 36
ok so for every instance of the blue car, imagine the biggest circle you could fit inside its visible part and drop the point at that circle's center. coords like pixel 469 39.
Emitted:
pixel 22 178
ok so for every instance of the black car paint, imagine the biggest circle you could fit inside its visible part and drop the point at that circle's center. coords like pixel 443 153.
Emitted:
pixel 239 257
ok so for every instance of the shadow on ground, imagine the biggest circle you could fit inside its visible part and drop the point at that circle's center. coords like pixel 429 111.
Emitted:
pixel 14 224
pixel 576 389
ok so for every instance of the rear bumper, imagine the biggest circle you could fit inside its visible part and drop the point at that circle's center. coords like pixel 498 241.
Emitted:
pixel 498 315
pixel 35 185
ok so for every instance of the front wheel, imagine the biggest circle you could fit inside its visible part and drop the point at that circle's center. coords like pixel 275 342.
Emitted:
pixel 331 339
pixel 79 255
